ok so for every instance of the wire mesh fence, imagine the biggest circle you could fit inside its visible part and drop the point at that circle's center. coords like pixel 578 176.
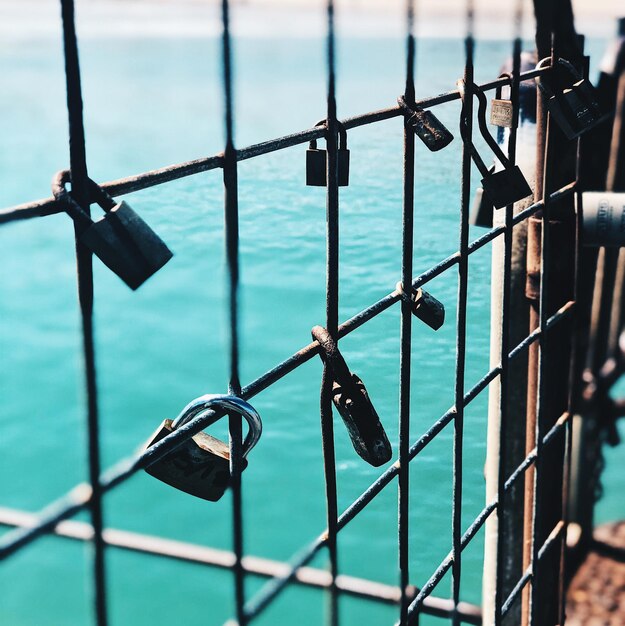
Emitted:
pixel 551 436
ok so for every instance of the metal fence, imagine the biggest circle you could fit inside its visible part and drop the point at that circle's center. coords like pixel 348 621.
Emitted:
pixel 411 601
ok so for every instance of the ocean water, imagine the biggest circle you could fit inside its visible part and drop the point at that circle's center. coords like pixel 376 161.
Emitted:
pixel 154 101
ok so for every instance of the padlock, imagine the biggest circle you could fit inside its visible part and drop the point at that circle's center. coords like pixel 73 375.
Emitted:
pixel 482 210
pixel 506 186
pixel 316 161
pixel 576 108
pixel 426 126
pixel 501 109
pixel 603 218
pixel 424 306
pixel 121 239
pixel 200 466
pixel 502 187
pixel 501 112
pixel 352 401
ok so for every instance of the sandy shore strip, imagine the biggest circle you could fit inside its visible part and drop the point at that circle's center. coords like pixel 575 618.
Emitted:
pixel 30 19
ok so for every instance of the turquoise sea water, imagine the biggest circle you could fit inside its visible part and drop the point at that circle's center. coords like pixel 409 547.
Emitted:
pixel 152 102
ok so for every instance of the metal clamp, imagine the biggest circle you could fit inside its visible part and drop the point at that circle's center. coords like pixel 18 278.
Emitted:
pixel 352 401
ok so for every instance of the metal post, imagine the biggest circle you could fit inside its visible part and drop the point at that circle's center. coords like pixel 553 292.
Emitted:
pixel 507 394
pixel 550 283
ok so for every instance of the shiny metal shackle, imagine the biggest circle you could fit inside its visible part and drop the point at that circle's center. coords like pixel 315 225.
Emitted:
pixel 210 402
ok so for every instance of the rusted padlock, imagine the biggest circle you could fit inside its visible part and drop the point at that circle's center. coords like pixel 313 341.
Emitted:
pixel 201 465
pixel 507 185
pixel 501 109
pixel 121 239
pixel 424 306
pixel 432 132
pixel 316 161
pixel 576 108
pixel 352 401
pixel 603 218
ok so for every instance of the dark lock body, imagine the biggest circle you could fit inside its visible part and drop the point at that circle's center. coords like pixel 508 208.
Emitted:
pixel 428 309
pixel 576 110
pixel 121 239
pixel 200 466
pixel 430 130
pixel 316 160
pixel 506 186
pixel 361 420
pixel 352 401
pixel 126 245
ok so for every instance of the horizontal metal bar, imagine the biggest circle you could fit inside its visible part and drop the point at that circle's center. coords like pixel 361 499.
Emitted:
pixel 529 572
pixel 137 182
pixel 273 588
pixel 224 559
pixel 443 568
pixel 530 459
pixel 514 594
pixel 80 496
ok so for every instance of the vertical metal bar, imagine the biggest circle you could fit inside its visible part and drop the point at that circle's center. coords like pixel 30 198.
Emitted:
pixel 463 269
pixel 541 395
pixel 500 593
pixel 406 326
pixel 80 190
pixel 332 317
pixel 231 215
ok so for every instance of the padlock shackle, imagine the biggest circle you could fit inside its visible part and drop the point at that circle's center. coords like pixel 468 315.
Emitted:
pixel 477 159
pixel 63 197
pixel 499 88
pixel 59 190
pixel 342 134
pixel 573 71
pixel 331 355
pixel 544 87
pixel 105 201
pixel 483 126
pixel 202 405
pixel 406 109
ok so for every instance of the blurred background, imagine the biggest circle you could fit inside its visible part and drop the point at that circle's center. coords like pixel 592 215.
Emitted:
pixel 152 95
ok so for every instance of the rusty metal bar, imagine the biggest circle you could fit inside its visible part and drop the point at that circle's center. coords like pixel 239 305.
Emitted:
pixel 223 559
pixel 479 521
pixel 79 497
pixel 332 319
pixel 231 222
pixel 403 480
pixel 502 571
pixel 84 272
pixel 466 122
pixel 137 182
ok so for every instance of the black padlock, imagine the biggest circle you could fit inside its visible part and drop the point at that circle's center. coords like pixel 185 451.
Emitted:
pixel 482 210
pixel 200 466
pixel 316 161
pixel 432 132
pixel 352 401
pixel 576 108
pixel 424 306
pixel 121 239
pixel 502 187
